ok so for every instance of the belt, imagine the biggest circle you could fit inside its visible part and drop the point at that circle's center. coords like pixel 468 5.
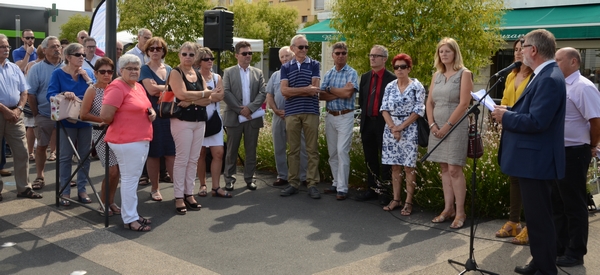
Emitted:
pixel 586 146
pixel 342 112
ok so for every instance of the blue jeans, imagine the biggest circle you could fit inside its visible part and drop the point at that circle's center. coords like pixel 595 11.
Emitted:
pixel 82 137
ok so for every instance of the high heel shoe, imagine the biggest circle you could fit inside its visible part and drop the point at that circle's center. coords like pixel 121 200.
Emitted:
pixel 443 217
pixel 215 193
pixel 180 210
pixel 192 206
pixel 392 205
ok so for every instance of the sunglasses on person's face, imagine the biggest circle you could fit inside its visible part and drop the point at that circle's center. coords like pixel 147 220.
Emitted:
pixel 110 72
pixel 186 54
pixel 302 47
pixel 78 54
pixel 400 67
pixel 155 49
pixel 208 59
pixel 29 37
pixel 132 69
pixel 342 53
pixel 246 53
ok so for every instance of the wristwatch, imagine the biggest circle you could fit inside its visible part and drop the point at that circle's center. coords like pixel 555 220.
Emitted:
pixel 20 108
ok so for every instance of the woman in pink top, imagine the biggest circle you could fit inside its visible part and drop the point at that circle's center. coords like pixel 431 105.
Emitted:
pixel 128 111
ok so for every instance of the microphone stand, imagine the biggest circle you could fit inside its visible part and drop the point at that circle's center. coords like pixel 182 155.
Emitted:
pixel 471 264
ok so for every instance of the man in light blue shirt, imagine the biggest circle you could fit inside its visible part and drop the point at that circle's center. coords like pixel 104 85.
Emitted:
pixel 38 79
pixel 13 94
pixel 338 88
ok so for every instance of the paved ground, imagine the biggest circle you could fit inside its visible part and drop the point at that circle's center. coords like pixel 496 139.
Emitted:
pixel 256 232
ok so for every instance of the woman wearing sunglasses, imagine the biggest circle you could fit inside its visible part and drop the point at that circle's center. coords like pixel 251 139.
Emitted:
pixel 90 111
pixel 403 102
pixel 188 128
pixel 153 77
pixel 72 80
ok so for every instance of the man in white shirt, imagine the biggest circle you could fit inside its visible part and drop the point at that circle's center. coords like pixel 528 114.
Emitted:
pixel 143 36
pixel 89 45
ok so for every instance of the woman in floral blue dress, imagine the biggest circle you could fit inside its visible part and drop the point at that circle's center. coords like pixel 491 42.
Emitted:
pixel 403 102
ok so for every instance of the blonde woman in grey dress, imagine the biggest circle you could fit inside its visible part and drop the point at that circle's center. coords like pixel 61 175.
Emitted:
pixel 449 97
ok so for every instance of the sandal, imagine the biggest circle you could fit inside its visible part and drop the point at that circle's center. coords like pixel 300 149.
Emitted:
pixel 52 156
pixel 141 227
pixel 522 238
pixel 180 210
pixel 215 193
pixel 38 184
pixel 144 221
pixel 166 178
pixel 443 217
pixel 28 193
pixel 202 192
pixel 73 183
pixel 115 209
pixel 509 229
pixel 192 206
pixel 144 180
pixel 156 196
pixel 83 198
pixel 392 205
pixel 101 211
pixel 31 157
pixel 458 222
pixel 407 210
pixel 64 202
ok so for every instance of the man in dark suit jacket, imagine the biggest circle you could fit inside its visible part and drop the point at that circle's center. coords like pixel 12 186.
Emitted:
pixel 532 146
pixel 244 88
pixel 370 93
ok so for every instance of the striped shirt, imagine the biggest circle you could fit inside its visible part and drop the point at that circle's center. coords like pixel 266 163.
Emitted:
pixel 301 75
pixel 338 79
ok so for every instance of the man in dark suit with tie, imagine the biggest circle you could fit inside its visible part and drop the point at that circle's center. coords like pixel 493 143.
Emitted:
pixel 244 88
pixel 532 146
pixel 370 93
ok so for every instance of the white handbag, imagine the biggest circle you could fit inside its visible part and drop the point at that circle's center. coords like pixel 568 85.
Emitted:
pixel 63 108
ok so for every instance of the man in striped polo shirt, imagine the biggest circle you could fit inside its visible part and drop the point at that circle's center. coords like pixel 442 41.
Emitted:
pixel 300 86
pixel 339 88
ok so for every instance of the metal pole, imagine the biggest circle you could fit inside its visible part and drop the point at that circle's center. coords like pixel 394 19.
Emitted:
pixel 111 31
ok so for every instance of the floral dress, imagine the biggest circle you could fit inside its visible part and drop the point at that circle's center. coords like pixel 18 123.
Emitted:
pixel 400 105
pixel 101 145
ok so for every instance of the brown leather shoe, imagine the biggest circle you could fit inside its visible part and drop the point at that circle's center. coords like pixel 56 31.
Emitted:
pixel 280 182
pixel 5 173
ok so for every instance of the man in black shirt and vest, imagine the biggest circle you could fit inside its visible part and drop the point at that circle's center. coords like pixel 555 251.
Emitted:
pixel 370 93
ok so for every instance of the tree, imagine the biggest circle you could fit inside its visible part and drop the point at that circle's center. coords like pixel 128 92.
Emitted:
pixel 416 26
pixel 274 24
pixel 176 21
pixel 75 24
pixel 315 49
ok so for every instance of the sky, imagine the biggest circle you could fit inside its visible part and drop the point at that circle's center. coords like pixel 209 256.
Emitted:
pixel 73 5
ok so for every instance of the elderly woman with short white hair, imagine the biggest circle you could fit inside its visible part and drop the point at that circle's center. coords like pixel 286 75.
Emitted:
pixel 128 111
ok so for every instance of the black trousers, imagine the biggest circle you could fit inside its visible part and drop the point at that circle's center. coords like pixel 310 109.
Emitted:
pixel 537 203
pixel 569 202
pixel 372 140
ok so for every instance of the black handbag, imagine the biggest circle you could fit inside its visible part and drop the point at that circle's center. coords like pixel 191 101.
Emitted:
pixel 214 124
pixel 423 131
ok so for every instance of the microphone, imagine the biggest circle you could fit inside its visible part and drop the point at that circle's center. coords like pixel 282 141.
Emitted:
pixel 508 69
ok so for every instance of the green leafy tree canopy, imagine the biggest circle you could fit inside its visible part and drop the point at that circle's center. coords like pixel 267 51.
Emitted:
pixel 176 21
pixel 76 23
pixel 415 27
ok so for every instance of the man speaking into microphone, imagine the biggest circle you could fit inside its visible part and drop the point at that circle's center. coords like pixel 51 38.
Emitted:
pixel 532 146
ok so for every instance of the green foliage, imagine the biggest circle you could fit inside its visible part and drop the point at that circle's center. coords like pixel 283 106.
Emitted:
pixel 416 26
pixel 274 24
pixel 176 21
pixel 76 23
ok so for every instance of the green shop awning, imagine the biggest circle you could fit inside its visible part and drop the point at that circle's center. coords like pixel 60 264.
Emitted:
pixel 566 22
pixel 320 32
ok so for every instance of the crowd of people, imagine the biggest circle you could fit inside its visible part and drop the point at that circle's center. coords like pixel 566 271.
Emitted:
pixel 549 115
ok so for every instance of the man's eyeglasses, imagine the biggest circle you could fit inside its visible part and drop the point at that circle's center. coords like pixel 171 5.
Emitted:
pixel 155 49
pixel 207 59
pixel 105 71
pixel 91 47
pixel 302 47
pixel 400 67
pixel 376 55
pixel 186 54
pixel 78 54
pixel 342 53
pixel 5 47
pixel 29 37
pixel 246 53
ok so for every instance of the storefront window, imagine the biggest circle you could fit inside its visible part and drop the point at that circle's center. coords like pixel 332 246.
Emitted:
pixel 590 64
